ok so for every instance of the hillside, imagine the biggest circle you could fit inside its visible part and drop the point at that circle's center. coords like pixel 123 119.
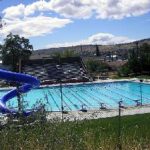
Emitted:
pixel 89 50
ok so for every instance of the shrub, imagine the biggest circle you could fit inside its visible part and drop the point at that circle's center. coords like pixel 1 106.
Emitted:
pixel 95 66
pixel 124 71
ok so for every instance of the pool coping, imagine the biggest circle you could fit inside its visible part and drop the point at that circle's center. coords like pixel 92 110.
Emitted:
pixel 97 114
pixel 145 81
pixel 100 81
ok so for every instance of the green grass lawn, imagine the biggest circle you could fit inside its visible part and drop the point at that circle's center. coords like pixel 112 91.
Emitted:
pixel 79 135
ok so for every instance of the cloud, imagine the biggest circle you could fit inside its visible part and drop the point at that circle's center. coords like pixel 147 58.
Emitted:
pixel 119 9
pixel 99 38
pixel 108 9
pixel 71 8
pixel 24 10
pixel 23 20
pixel 14 11
pixel 83 9
pixel 33 26
pixel 34 19
pixel 102 9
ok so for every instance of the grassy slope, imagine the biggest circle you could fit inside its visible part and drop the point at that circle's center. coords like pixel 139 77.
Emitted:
pixel 80 135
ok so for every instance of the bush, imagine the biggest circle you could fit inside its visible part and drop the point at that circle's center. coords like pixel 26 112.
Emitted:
pixel 124 71
pixel 95 66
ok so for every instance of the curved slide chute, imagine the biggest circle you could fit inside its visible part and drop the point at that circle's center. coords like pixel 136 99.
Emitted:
pixel 28 82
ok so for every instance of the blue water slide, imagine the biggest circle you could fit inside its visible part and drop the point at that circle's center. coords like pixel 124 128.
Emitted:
pixel 27 82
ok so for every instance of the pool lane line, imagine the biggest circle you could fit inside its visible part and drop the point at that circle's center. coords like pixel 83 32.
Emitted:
pixel 92 97
pixel 125 96
pixel 47 100
pixel 75 97
pixel 54 100
pixel 70 101
pixel 131 93
pixel 134 93
pixel 63 99
pixel 137 90
pixel 115 100
pixel 104 95
pixel 79 99
pixel 110 97
pixel 98 100
pixel 119 94
pixel 82 97
pixel 122 96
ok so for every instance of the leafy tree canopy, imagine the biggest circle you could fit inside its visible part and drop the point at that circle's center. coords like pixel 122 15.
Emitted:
pixel 96 66
pixel 15 48
pixel 97 51
pixel 64 54
pixel 138 61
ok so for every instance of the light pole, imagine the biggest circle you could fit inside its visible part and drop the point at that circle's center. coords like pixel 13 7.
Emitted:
pixel 19 100
pixel 141 91
pixel 61 92
pixel 62 107
pixel 20 103
pixel 119 125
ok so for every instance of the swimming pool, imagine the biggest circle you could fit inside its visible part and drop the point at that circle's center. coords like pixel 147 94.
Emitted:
pixel 91 96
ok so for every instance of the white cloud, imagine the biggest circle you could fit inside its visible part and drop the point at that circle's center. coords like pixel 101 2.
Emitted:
pixel 33 26
pixel 24 10
pixel 30 20
pixel 83 9
pixel 14 11
pixel 106 38
pixel 71 8
pixel 99 38
pixel 103 9
pixel 118 9
pixel 24 20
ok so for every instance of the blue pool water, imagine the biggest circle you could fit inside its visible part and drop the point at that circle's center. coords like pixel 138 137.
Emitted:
pixel 89 95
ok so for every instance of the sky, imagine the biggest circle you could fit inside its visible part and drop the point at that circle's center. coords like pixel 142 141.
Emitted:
pixel 58 23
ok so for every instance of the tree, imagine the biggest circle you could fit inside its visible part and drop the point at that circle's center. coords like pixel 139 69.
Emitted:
pixel 133 61
pixel 15 48
pixel 97 51
pixel 57 54
pixel 96 66
pixel 69 53
pixel 125 71
pixel 64 54
pixel 144 57
pixel 138 61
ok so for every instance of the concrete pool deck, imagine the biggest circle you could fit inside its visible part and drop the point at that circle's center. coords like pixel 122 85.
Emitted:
pixel 146 81
pixel 90 114
pixel 96 114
